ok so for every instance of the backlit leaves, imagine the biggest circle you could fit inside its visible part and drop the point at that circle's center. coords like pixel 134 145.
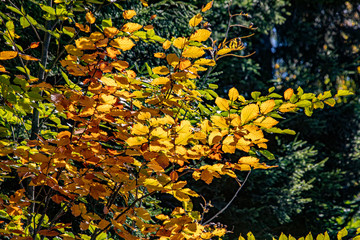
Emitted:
pixel 6 55
pixel 128 14
pixel 222 103
pixel 122 43
pixel 194 21
pixel 249 112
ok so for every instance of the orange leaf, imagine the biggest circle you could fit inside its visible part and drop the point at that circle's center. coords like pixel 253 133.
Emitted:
pixel 174 176
pixel 48 233
pixel 2 68
pixel 128 14
pixel 111 32
pixel 90 17
pixel 6 55
pixel 207 6
pixel 28 57
pixel 288 93
pixel 34 44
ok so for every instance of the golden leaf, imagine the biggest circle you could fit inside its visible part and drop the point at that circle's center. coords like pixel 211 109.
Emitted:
pixel 123 43
pixel 2 68
pixel 128 14
pixel 159 55
pixel 90 17
pixel 243 145
pixel 144 116
pixel 107 99
pixel 287 107
pixel 267 122
pixel 222 103
pixel 233 94
pixel 6 55
pixel 288 93
pixel 152 183
pixel 219 121
pixel 224 51
pixel 249 112
pixel 111 32
pixel 182 138
pixel 166 44
pixel 120 65
pixel 96 36
pixel 139 129
pixel 204 61
pixel 248 160
pixel 161 70
pixel 267 106
pixel 200 35
pixel 28 57
pixel 160 81
pixel 134 141
pixel 180 42
pixel 112 52
pixel 108 82
pixel 131 27
pixel 207 6
pixel 193 52
pixel 82 27
pixel 84 43
pixel 194 21
pixel 229 145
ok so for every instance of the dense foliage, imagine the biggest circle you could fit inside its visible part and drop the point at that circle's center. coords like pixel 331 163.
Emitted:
pixel 105 118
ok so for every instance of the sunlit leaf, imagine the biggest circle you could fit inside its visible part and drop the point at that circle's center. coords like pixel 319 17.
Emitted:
pixel 6 55
pixel 249 112
pixel 207 6
pixel 194 21
pixel 128 14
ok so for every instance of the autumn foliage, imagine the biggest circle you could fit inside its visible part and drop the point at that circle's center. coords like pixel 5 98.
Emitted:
pixel 100 144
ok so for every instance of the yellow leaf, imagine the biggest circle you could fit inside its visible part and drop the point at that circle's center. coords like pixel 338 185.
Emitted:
pixel 90 17
pixel 249 112
pixel 160 81
pixel 111 32
pixel 182 138
pixel 153 183
pixel 96 36
pixel 224 51
pixel 200 35
pixel 193 52
pixel 108 82
pixel 107 99
pixel 287 107
pixel 144 116
pixel 229 145
pixel 161 70
pixel 134 141
pixel 28 57
pixel 128 14
pixel 222 103
pixel 6 55
pixel 214 138
pixel 233 94
pixel 194 21
pixel 139 129
pixel 159 55
pixel 219 121
pixel 267 122
pixel 84 43
pixel 131 27
pixel 248 160
pixel 267 106
pixel 120 65
pixel 204 61
pixel 288 93
pixel 243 145
pixel 166 44
pixel 180 42
pixel 122 43
pixel 207 6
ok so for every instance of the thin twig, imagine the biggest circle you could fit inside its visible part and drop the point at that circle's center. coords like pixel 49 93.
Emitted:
pixel 228 204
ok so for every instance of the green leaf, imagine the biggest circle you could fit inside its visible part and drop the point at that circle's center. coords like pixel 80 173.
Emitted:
pixel 24 23
pixel 15 10
pixel 255 95
pixel 309 237
pixel 303 103
pixel 48 9
pixel 106 23
pixel 213 86
pixel 267 154
pixel 69 82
